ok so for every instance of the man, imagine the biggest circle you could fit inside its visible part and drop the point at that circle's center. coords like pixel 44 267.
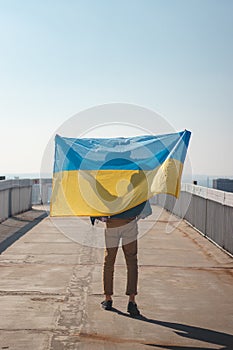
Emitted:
pixel 123 226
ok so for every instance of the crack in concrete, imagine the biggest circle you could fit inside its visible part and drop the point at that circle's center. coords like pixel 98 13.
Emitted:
pixel 31 292
pixel 72 315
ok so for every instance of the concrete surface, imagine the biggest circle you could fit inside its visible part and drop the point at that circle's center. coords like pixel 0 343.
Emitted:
pixel 51 289
pixel 16 226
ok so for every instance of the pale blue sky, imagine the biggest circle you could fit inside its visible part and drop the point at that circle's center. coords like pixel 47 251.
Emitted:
pixel 60 57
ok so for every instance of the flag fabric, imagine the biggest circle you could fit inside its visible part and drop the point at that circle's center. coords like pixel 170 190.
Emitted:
pixel 107 176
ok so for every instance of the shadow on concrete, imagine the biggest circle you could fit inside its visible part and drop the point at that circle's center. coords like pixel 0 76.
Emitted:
pixel 188 332
pixel 14 236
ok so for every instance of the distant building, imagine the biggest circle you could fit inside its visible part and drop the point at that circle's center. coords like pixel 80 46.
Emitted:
pixel 223 184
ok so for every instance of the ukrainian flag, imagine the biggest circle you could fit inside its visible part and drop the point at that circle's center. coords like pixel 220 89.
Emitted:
pixel 104 177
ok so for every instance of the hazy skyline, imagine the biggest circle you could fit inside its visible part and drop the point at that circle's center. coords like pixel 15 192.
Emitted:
pixel 61 57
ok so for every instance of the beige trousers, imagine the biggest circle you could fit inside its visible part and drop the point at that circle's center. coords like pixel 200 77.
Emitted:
pixel 127 231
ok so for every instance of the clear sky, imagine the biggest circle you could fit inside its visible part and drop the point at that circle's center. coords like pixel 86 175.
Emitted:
pixel 59 57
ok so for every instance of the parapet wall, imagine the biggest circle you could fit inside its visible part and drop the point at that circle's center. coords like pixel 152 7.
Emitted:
pixel 208 210
pixel 17 196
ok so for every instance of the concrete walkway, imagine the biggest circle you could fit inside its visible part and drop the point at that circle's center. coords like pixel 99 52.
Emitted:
pixel 51 289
